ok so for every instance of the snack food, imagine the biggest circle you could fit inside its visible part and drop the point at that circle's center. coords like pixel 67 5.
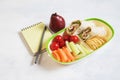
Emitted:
pixel 79 39
pixel 95 42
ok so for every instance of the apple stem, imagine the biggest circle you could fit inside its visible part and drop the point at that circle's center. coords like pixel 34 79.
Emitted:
pixel 55 13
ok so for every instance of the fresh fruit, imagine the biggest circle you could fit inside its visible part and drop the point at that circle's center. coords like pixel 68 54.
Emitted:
pixel 57 22
pixel 74 48
pixel 58 38
pixel 54 46
pixel 77 40
pixel 61 44
pixel 74 38
pixel 66 37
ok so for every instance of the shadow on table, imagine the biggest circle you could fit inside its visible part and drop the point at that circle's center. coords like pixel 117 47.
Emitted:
pixel 47 63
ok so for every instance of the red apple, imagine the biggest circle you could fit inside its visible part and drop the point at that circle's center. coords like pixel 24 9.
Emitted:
pixel 57 22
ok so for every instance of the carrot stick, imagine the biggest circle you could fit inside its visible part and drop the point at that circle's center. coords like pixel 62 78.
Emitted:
pixel 55 54
pixel 68 60
pixel 68 53
pixel 62 55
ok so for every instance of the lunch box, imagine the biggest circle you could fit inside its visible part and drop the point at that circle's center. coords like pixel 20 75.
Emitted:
pixel 88 43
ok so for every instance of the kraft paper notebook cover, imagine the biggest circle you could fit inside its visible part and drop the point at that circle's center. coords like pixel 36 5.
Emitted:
pixel 32 36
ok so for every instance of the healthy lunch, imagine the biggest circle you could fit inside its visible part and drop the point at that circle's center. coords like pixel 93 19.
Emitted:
pixel 67 44
pixel 79 39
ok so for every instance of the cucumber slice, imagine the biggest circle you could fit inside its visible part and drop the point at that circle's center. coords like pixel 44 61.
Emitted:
pixel 74 48
pixel 85 49
pixel 68 46
pixel 82 54
pixel 80 49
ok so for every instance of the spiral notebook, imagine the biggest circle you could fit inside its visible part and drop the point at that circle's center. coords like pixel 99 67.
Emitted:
pixel 32 36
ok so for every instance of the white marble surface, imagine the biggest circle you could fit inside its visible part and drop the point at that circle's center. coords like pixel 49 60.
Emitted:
pixel 15 60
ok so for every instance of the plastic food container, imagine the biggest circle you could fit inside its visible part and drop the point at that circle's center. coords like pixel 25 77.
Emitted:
pixel 101 33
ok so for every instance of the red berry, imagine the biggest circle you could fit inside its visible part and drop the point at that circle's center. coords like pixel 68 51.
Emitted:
pixel 58 38
pixel 54 46
pixel 74 38
pixel 66 37
pixel 61 44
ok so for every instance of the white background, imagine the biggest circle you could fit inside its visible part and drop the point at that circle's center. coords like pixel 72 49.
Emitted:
pixel 15 60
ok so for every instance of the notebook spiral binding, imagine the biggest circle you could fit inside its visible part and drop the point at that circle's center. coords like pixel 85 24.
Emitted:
pixel 30 26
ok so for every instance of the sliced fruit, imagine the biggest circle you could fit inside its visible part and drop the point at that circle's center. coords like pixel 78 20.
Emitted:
pixel 74 48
